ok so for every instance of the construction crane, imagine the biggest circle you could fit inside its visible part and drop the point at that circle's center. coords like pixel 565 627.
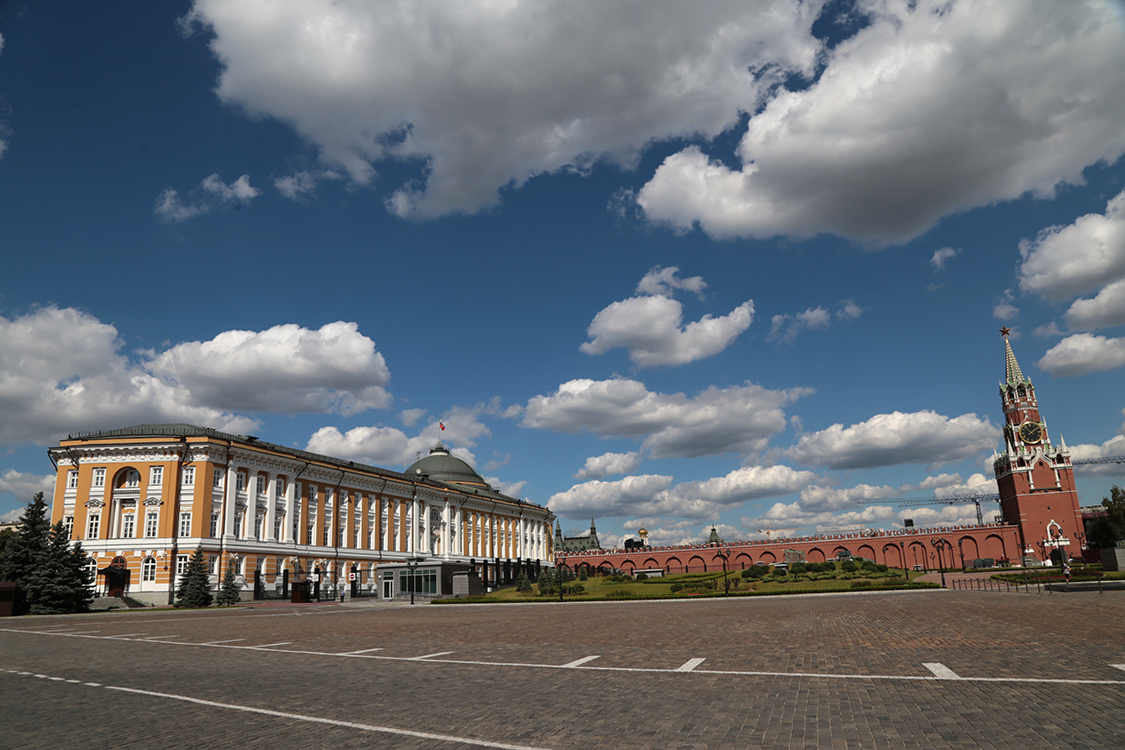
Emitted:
pixel 951 500
pixel 977 498
pixel 1102 460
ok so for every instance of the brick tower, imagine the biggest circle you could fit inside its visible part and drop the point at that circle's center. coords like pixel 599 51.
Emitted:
pixel 1035 478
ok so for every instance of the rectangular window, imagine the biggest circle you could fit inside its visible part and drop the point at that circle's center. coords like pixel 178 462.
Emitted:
pixel 326 532
pixel 217 478
pixel 312 494
pixel 93 524
pixel 214 525
pixel 278 520
pixel 128 526
pixel 257 527
pixel 309 533
pixel 148 569
pixel 185 524
pixel 213 565
pixel 240 481
pixel 99 478
pixel 279 487
pixel 261 485
pixel 150 525
pixel 155 476
pixel 68 524
pixel 72 480
pixel 238 525
pixel 181 564
pixel 189 476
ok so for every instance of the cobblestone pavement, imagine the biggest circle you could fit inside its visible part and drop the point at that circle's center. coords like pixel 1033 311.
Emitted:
pixel 914 669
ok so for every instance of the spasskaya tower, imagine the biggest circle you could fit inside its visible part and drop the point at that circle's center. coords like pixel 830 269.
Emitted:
pixel 1035 477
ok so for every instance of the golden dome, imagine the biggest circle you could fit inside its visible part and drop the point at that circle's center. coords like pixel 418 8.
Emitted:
pixel 643 533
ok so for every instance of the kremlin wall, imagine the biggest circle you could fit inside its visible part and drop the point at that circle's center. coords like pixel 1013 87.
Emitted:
pixel 1039 514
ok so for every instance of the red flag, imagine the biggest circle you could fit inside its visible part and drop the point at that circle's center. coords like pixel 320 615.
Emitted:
pixel 442 426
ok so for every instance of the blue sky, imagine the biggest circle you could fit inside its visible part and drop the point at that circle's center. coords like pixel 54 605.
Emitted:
pixel 740 263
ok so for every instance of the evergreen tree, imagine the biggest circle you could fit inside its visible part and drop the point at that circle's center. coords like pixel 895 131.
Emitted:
pixel 30 541
pixel 229 592
pixel 60 582
pixel 523 583
pixel 1106 530
pixel 195 589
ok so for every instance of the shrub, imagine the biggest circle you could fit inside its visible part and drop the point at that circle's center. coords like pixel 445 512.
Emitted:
pixel 861 584
pixel 798 569
pixel 848 566
pixel 582 576
pixel 642 576
pixel 676 588
pixel 755 571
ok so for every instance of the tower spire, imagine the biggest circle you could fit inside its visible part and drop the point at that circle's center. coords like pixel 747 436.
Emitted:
pixel 1012 372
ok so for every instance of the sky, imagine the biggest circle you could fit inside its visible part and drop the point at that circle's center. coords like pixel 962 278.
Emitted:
pixel 739 264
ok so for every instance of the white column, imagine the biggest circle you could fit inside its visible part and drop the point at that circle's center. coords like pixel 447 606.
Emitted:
pixel 290 511
pixel 271 509
pixel 230 493
pixel 446 529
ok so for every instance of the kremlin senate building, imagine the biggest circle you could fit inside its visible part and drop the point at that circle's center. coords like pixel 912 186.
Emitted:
pixel 142 499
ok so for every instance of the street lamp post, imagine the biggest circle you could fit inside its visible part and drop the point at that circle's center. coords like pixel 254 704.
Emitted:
pixel 938 544
pixel 726 583
pixel 559 565
pixel 412 565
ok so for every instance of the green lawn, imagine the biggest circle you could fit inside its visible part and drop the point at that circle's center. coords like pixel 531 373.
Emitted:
pixel 711 584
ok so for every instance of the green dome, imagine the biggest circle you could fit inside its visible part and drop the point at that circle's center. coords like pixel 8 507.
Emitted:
pixel 445 467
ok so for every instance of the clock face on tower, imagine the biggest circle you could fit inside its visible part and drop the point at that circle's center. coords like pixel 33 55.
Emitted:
pixel 1031 432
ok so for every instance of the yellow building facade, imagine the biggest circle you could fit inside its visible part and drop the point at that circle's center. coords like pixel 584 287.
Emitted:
pixel 142 499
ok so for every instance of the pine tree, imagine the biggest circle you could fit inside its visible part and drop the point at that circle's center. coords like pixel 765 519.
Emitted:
pixel 1109 528
pixel 21 552
pixel 523 583
pixel 195 588
pixel 229 592
pixel 60 582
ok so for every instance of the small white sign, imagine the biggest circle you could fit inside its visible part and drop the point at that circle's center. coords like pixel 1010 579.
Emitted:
pixel 351 576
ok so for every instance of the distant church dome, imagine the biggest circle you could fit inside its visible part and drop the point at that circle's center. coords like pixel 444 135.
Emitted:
pixel 445 467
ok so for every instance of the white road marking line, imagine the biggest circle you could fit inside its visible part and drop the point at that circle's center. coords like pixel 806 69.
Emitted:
pixel 941 671
pixel 428 656
pixel 689 665
pixel 1118 666
pixel 364 651
pixel 732 672
pixel 270 645
pixel 229 640
pixel 315 719
pixel 580 662
pixel 157 637
pixel 125 635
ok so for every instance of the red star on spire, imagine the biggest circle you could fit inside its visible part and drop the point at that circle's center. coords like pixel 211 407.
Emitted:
pixel 1005 331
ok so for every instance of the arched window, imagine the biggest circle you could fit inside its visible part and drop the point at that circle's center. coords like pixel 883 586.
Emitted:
pixel 148 569
pixel 130 478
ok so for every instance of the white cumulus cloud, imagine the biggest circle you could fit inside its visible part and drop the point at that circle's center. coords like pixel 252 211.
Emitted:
pixel 211 195
pixel 1064 261
pixel 24 485
pixel 889 439
pixel 1106 309
pixel 650 326
pixel 786 327
pixel 285 369
pixel 654 495
pixel 1082 353
pixel 61 371
pixel 609 463
pixel 934 107
pixel 484 95
pixel 718 420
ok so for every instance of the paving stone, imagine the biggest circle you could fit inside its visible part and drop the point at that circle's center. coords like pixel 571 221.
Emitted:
pixel 837 671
